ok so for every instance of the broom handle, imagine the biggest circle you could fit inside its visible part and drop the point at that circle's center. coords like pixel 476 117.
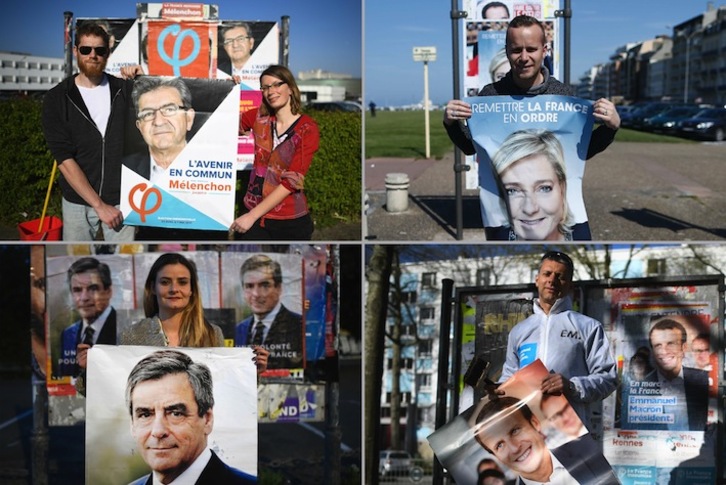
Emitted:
pixel 47 196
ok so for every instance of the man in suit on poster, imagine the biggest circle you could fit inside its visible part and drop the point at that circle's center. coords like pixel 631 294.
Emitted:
pixel 90 284
pixel 271 324
pixel 686 384
pixel 164 116
pixel 507 428
pixel 171 400
pixel 238 44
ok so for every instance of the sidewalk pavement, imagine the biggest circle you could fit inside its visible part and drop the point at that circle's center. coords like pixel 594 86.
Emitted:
pixel 431 213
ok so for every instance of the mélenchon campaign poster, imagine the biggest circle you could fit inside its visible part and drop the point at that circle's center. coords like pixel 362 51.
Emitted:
pixel 529 435
pixel 179 168
pixel 146 405
pixel 531 154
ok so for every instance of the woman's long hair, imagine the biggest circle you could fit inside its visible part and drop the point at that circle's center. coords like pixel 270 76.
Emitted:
pixel 195 331
pixel 283 74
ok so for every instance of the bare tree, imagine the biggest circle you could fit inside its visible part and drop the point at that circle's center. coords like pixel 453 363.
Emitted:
pixel 378 275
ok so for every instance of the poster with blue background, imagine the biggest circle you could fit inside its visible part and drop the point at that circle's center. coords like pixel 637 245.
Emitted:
pixel 531 155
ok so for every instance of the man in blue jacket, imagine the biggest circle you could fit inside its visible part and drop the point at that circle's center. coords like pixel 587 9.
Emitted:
pixel 90 284
pixel 84 120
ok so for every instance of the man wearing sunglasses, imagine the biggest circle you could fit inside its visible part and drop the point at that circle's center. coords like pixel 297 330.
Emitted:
pixel 571 345
pixel 83 122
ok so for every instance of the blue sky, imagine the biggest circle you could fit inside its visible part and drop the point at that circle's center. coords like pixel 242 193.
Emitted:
pixel 393 28
pixel 324 34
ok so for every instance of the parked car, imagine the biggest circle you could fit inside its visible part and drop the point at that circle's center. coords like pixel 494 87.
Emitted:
pixel 335 106
pixel 709 124
pixel 627 112
pixel 666 121
pixel 637 120
pixel 394 463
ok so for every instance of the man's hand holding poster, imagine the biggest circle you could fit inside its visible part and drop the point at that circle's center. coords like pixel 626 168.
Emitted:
pixel 531 153
pixel 529 435
pixel 182 175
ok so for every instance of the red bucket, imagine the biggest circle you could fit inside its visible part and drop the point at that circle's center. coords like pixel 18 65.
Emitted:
pixel 52 229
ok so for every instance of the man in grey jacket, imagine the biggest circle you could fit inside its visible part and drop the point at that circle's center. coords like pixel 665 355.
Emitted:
pixel 526 48
pixel 571 345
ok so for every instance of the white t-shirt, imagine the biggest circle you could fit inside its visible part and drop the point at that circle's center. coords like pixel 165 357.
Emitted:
pixel 98 102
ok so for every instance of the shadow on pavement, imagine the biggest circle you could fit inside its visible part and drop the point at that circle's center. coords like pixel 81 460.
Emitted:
pixel 650 218
pixel 442 210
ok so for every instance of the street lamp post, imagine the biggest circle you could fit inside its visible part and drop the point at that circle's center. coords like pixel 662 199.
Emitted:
pixel 425 54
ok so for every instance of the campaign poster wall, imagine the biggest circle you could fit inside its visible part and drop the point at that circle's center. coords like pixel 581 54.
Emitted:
pixel 531 154
pixel 112 451
pixel 123 42
pixel 492 422
pixel 660 425
pixel 197 189
pixel 285 338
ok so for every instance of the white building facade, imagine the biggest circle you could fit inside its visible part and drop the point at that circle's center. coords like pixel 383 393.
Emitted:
pixel 26 73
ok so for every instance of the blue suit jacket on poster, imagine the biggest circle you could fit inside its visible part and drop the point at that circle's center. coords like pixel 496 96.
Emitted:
pixel 216 472
pixel 71 337
pixel 286 330
pixel 695 384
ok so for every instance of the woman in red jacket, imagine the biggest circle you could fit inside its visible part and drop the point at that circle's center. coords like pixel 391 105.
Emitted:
pixel 285 142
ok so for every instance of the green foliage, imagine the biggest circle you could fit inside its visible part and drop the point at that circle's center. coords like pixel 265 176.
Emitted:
pixel 627 135
pixel 25 163
pixel 401 134
pixel 333 183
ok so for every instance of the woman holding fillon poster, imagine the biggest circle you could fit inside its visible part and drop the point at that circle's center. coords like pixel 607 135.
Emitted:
pixel 285 142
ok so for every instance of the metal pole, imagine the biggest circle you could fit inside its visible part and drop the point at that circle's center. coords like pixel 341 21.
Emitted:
pixel 285 40
pixel 39 438
pixel 68 42
pixel 566 13
pixel 333 433
pixel 442 380
pixel 459 167
pixel 426 109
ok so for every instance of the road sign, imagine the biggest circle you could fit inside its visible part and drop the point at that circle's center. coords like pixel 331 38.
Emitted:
pixel 424 54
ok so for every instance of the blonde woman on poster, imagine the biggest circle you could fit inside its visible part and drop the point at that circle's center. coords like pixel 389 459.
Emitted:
pixel 532 171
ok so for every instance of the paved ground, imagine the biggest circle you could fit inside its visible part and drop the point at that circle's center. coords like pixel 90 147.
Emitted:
pixel 633 192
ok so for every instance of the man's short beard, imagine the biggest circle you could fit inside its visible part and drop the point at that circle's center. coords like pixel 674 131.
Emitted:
pixel 91 70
